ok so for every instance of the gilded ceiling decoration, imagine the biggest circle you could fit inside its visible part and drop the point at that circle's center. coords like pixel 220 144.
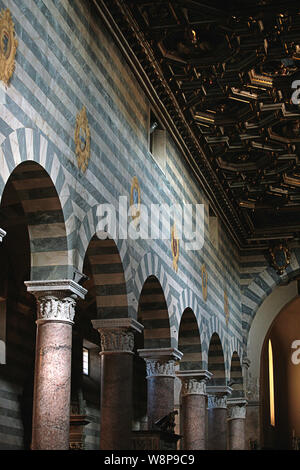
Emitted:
pixel 226 72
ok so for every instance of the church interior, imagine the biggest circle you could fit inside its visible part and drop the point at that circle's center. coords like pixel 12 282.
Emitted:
pixel 110 341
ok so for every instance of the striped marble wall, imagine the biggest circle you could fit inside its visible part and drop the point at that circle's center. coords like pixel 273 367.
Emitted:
pixel 66 60
pixel 59 42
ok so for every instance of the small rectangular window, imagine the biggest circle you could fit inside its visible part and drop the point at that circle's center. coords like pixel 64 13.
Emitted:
pixel 157 141
pixel 85 361
pixel 213 228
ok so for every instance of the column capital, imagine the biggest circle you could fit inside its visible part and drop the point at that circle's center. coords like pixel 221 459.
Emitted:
pixel 193 381
pixel 236 408
pixel 56 299
pixel 217 396
pixel 160 362
pixel 117 334
pixel 2 234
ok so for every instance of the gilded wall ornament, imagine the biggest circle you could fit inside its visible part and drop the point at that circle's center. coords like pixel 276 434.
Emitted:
pixel 8 46
pixel 175 247
pixel 82 140
pixel 204 282
pixel 226 307
pixel 135 199
pixel 280 257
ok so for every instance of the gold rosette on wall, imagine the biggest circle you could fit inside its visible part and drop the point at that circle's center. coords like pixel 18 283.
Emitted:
pixel 8 46
pixel 175 247
pixel 82 140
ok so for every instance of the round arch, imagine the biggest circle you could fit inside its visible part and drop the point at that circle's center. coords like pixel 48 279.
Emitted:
pixel 33 172
pixel 153 315
pixel 216 361
pixel 189 342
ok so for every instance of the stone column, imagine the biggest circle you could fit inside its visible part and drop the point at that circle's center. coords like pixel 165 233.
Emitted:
pixel 193 406
pixel 117 343
pixel 217 417
pixel 52 380
pixel 236 423
pixel 2 234
pixel 160 364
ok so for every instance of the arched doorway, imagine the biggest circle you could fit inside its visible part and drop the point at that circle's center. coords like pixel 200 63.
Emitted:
pixel 280 380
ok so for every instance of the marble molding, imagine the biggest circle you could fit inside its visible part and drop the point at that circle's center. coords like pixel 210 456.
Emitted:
pixel 236 408
pixel 117 334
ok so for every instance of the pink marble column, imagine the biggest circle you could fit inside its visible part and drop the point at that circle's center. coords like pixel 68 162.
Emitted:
pixel 217 417
pixel 236 423
pixel 160 364
pixel 117 343
pixel 52 381
pixel 193 408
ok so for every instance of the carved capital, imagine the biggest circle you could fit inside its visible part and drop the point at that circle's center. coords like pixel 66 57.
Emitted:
pixel 117 334
pixel 217 401
pixel 117 340
pixel 236 408
pixel 193 381
pixel 236 412
pixel 53 308
pixel 193 387
pixel 56 299
pixel 160 368
pixel 160 362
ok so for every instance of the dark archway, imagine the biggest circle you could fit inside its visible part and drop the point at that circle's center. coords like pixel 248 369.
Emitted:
pixel 216 364
pixel 236 376
pixel 189 342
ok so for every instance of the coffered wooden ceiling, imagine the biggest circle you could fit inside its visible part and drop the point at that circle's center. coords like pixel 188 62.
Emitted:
pixel 223 72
